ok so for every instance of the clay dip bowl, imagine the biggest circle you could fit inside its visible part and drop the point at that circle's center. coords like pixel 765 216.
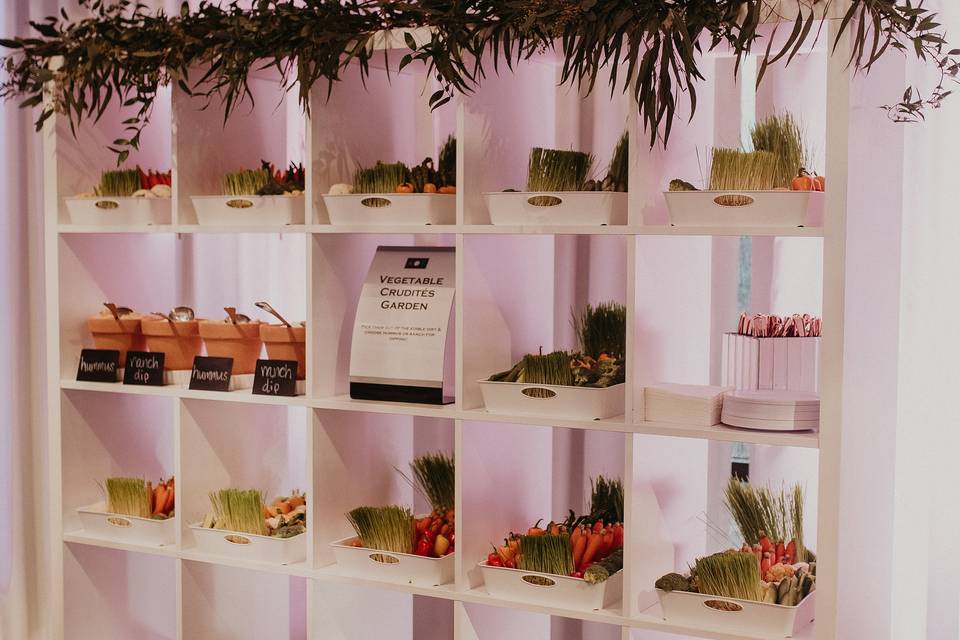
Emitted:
pixel 239 341
pixel 122 335
pixel 286 343
pixel 179 341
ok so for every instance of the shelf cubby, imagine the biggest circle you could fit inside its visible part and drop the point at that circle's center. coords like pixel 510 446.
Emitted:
pixel 349 612
pixel 229 603
pixel 116 594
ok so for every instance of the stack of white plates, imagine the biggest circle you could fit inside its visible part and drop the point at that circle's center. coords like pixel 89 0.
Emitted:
pixel 772 410
pixel 688 404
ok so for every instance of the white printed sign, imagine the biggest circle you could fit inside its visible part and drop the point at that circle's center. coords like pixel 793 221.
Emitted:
pixel 401 325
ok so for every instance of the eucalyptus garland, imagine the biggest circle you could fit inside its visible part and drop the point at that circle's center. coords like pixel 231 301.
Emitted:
pixel 123 52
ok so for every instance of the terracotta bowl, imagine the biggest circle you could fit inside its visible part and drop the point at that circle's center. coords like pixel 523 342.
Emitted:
pixel 238 341
pixel 123 335
pixel 286 343
pixel 179 343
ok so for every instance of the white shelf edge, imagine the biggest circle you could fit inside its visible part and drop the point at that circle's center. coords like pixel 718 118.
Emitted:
pixel 466 229
pixel 617 424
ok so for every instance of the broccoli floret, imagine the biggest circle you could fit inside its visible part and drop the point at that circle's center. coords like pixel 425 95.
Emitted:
pixel 673 582
pixel 681 185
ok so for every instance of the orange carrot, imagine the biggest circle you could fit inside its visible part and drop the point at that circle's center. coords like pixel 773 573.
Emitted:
pixel 284 507
pixel 168 505
pixel 593 545
pixel 579 545
pixel 160 499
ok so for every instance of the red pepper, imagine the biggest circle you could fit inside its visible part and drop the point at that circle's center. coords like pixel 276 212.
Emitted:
pixel 598 526
pixel 765 544
pixel 617 536
pixel 494 560
pixel 780 552
pixel 791 552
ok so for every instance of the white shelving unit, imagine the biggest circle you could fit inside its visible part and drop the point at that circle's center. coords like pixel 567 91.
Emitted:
pixel 515 286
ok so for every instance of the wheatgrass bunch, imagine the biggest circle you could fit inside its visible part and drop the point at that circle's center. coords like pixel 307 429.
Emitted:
pixel 389 528
pixel 129 497
pixel 120 183
pixel 782 135
pixel 729 575
pixel 247 182
pixel 239 510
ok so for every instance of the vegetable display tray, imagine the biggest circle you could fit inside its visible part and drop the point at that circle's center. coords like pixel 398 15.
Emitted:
pixel 97 521
pixel 248 210
pixel 249 546
pixel 392 208
pixel 386 566
pixel 574 403
pixel 579 208
pixel 553 590
pixel 118 211
pixel 745 208
pixel 736 616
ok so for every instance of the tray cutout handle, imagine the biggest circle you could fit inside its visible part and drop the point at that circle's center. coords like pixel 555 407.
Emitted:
pixel 106 204
pixel 235 539
pixel 539 392
pixel 375 202
pixel 539 581
pixel 383 558
pixel 723 605
pixel 733 200
pixel 544 201
pixel 116 521
pixel 239 203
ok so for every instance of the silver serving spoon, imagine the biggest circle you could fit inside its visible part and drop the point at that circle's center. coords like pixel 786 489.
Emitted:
pixel 266 307
pixel 236 318
pixel 182 314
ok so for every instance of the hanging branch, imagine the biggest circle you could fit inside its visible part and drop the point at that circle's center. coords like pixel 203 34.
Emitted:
pixel 121 53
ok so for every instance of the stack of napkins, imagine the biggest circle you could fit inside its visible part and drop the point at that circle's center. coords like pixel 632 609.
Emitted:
pixel 691 404
pixel 772 410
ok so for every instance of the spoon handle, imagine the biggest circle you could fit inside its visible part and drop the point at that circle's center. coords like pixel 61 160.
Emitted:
pixel 113 309
pixel 266 307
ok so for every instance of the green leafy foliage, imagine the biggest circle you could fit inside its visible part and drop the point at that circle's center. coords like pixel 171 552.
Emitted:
pixel 121 52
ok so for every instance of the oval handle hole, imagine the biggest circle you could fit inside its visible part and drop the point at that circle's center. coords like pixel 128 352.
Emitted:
pixel 544 201
pixel 538 581
pixel 235 539
pixel 119 522
pixel 538 392
pixel 106 204
pixel 733 200
pixel 239 204
pixel 383 558
pixel 723 605
pixel 376 202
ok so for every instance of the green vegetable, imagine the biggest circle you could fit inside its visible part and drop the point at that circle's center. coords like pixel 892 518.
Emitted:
pixel 546 554
pixel 782 136
pixel 556 170
pixel 673 582
pixel 120 183
pixel 129 497
pixel 618 172
pixel 380 178
pixel 434 477
pixel 760 511
pixel 735 170
pixel 447 163
pixel 681 185
pixel 729 575
pixel 247 182
pixel 239 510
pixel 389 528
pixel 600 571
pixel 602 329
pixel 606 500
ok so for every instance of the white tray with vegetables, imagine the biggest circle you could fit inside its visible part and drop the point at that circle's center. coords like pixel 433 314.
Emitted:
pixel 745 208
pixel 776 609
pixel 263 196
pixel 573 403
pixel 124 197
pixel 578 594
pixel 393 545
pixel 242 526
pixel 134 512
pixel 559 191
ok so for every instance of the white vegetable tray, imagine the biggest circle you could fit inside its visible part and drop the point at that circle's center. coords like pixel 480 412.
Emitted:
pixel 96 521
pixel 248 210
pixel 386 566
pixel 758 208
pixel 250 547
pixel 580 208
pixel 574 403
pixel 552 590
pixel 756 619
pixel 118 211
pixel 401 208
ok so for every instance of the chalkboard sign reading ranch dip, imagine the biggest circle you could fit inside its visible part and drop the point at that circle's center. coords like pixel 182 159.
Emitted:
pixel 144 368
pixel 211 374
pixel 275 378
pixel 400 332
pixel 98 365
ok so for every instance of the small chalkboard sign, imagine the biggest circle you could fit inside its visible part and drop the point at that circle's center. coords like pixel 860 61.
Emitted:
pixel 275 378
pixel 98 365
pixel 211 374
pixel 144 368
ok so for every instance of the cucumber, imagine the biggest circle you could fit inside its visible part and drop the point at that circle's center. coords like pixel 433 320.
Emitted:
pixel 600 571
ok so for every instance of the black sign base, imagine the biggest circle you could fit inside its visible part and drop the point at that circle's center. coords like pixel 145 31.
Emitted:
pixel 398 393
